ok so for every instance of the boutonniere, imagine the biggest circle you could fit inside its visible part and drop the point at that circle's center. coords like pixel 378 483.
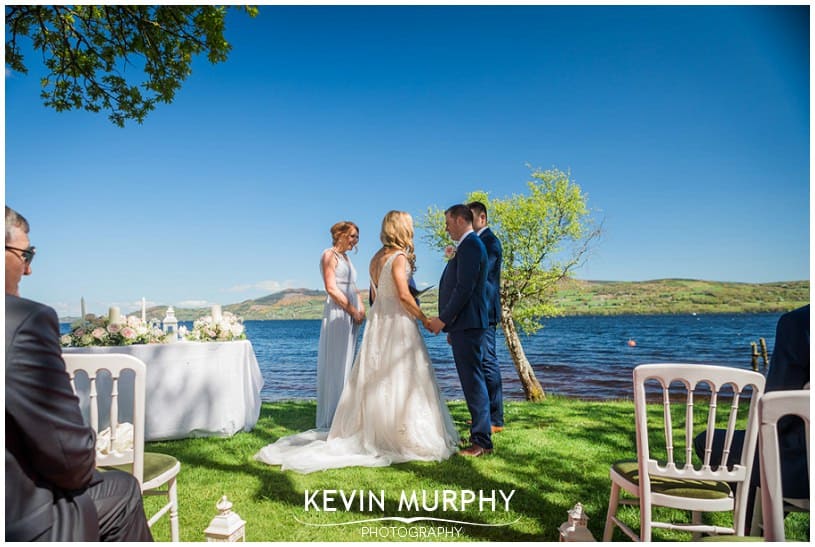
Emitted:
pixel 449 252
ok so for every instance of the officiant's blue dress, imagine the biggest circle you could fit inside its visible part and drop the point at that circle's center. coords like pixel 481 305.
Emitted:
pixel 338 337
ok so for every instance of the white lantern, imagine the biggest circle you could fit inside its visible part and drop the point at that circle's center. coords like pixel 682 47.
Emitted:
pixel 575 529
pixel 226 526
pixel 170 324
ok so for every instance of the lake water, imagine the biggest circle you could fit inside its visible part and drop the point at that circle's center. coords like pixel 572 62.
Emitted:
pixel 584 357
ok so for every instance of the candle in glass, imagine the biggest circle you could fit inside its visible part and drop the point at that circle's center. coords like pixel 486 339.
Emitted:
pixel 143 310
pixel 216 313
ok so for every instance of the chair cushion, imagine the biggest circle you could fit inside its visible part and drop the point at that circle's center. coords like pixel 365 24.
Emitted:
pixel 154 465
pixel 685 488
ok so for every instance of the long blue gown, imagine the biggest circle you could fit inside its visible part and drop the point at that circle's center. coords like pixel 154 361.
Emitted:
pixel 338 337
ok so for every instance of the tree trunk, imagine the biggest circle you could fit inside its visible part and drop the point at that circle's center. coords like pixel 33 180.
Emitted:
pixel 532 388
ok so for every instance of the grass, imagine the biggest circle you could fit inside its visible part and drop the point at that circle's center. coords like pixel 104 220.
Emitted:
pixel 552 455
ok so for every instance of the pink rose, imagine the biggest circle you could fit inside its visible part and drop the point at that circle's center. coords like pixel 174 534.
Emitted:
pixel 114 328
pixel 99 333
pixel 449 252
pixel 129 333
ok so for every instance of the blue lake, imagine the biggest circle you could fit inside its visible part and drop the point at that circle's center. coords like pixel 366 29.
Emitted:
pixel 584 357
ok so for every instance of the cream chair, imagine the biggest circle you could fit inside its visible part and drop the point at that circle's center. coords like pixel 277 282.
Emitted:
pixel 120 445
pixel 664 473
pixel 772 407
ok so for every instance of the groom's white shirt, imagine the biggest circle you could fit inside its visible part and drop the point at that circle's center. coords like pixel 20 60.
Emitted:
pixel 468 232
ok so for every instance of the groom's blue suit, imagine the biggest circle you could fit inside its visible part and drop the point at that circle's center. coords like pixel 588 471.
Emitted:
pixel 463 309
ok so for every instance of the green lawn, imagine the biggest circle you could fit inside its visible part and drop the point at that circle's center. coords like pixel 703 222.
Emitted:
pixel 551 455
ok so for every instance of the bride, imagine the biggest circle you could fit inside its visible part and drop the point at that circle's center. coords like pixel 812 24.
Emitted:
pixel 390 410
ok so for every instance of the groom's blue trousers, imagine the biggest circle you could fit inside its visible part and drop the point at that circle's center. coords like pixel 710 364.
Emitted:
pixel 492 375
pixel 467 353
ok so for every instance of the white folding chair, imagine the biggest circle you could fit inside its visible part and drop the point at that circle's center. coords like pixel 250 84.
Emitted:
pixel 772 407
pixel 665 475
pixel 152 470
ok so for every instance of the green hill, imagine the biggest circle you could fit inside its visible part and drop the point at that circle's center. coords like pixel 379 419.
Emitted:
pixel 575 297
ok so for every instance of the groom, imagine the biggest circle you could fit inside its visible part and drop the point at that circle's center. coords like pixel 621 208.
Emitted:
pixel 463 316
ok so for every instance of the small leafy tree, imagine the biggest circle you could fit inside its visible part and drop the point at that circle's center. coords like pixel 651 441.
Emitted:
pixel 95 55
pixel 545 235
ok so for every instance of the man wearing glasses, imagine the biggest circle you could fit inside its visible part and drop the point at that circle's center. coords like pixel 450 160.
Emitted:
pixel 17 245
pixel 53 490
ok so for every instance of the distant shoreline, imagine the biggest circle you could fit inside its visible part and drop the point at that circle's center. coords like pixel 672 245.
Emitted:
pixel 574 298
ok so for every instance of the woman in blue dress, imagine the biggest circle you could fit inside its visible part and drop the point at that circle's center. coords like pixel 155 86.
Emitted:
pixel 342 315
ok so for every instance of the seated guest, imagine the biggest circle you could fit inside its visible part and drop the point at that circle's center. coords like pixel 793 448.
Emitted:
pixel 789 369
pixel 53 490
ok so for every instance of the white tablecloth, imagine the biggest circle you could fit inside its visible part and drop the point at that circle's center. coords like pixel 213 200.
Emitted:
pixel 194 389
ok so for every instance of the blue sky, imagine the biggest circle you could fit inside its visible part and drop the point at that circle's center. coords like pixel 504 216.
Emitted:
pixel 688 128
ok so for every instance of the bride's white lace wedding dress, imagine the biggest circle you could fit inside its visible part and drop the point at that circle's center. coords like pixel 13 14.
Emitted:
pixel 390 410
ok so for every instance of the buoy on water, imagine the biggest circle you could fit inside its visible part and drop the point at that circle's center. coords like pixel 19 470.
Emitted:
pixel 632 343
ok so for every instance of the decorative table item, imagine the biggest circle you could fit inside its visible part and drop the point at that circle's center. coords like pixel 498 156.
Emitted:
pixel 207 329
pixel 101 331
pixel 575 529
pixel 114 315
pixel 227 525
pixel 170 325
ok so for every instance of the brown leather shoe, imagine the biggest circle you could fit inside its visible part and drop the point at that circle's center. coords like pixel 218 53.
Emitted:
pixel 495 428
pixel 475 451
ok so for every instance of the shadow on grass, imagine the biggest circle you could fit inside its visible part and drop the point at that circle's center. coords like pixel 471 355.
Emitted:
pixel 550 455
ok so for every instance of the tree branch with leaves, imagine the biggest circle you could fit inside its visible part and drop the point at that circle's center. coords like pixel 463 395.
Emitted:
pixel 120 59
pixel 545 235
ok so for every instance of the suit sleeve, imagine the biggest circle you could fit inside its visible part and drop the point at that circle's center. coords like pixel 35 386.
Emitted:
pixel 40 400
pixel 468 256
pixel 789 366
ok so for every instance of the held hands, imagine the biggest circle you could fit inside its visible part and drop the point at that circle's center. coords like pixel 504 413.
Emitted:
pixel 434 325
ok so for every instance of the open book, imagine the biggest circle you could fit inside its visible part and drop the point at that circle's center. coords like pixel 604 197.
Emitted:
pixel 416 292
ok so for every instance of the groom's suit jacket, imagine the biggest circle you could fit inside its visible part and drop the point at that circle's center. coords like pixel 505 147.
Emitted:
pixel 462 289
pixel 50 452
pixel 494 256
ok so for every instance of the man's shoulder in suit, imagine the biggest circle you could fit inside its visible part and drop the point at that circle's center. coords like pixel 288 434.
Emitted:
pixel 17 308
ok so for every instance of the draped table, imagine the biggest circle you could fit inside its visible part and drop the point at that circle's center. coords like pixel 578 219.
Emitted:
pixel 194 389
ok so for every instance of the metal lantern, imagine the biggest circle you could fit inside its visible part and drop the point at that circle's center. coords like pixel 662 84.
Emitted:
pixel 226 525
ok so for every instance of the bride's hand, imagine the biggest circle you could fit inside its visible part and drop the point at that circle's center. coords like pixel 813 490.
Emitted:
pixel 358 315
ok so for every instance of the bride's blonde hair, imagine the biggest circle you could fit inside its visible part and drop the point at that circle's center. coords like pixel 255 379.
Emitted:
pixel 397 233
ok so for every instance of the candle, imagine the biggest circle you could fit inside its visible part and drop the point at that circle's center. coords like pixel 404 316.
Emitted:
pixel 143 310
pixel 216 313
pixel 82 307
pixel 114 315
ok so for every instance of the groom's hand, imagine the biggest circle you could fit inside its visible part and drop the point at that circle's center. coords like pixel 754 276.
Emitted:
pixel 435 325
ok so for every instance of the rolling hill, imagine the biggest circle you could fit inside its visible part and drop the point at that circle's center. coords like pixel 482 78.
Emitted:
pixel 575 297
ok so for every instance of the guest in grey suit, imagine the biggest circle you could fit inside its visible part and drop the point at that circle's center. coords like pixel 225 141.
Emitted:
pixel 492 370
pixel 53 490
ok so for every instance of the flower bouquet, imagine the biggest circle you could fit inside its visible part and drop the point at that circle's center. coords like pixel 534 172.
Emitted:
pixel 208 329
pixel 99 331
